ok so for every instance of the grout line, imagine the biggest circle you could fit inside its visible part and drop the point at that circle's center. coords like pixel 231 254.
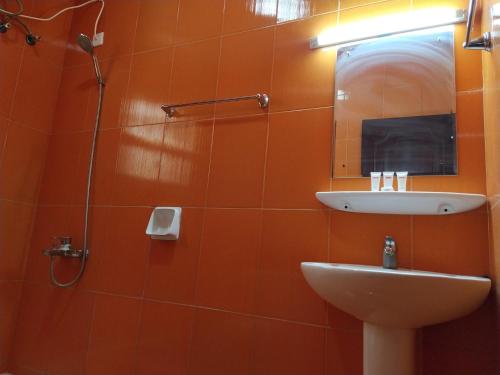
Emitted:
pixel 195 307
pixel 68 32
pixel 209 169
pixel 198 265
pixel 192 325
pixel 259 251
pixel 18 78
pixel 177 21
pixel 325 351
pixel 266 155
pixel 222 34
pixel 204 216
pixel 89 336
pixel 150 247
pixel 470 91
pixel 172 63
pixel 122 118
pixel 42 205
pixel 115 174
pixel 23 203
pixel 339 7
pixel 190 121
pixel 219 63
pixel 268 122
pixel 138 337
pixel 86 113
pixel 17 322
pixel 28 126
pixel 374 2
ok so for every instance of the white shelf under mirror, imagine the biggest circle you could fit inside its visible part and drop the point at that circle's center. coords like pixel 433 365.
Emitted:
pixel 401 203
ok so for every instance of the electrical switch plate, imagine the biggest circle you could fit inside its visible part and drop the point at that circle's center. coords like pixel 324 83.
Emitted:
pixel 98 39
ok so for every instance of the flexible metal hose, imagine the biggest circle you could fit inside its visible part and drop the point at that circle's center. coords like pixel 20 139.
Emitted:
pixel 83 259
pixel 23 25
pixel 20 9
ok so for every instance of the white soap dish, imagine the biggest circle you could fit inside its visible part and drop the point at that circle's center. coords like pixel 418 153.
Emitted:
pixel 164 223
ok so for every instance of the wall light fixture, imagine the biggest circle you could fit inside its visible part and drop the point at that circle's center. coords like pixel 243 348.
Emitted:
pixel 388 25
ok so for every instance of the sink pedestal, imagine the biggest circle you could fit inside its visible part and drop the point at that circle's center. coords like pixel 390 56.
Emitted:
pixel 393 304
pixel 388 351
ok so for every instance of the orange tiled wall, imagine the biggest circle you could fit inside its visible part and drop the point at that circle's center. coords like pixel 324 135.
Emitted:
pixel 491 71
pixel 29 84
pixel 229 296
pixel 491 118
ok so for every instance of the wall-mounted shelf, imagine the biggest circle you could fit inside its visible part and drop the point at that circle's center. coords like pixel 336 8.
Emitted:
pixel 401 203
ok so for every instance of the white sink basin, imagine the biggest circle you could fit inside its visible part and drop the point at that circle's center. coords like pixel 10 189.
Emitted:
pixel 393 304
pixel 396 298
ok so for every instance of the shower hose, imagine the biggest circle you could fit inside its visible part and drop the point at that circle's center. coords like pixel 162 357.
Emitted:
pixel 83 259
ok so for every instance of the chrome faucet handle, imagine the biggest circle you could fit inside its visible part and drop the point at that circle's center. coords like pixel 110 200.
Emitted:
pixel 63 240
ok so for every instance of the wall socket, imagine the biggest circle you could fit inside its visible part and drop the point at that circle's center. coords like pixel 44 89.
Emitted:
pixel 98 39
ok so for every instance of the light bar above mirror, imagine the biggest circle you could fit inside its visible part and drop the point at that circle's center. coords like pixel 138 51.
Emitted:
pixel 388 25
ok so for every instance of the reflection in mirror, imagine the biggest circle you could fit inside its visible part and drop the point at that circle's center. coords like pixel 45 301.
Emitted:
pixel 395 105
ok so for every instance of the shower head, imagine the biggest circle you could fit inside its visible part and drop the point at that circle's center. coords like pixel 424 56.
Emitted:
pixel 85 43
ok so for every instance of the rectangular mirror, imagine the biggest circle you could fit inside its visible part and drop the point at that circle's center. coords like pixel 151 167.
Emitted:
pixel 395 105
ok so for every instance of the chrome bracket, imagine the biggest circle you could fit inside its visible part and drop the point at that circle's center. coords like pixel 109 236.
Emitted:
pixel 482 43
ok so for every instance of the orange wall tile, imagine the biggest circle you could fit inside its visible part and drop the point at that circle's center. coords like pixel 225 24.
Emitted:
pixel 251 52
pixel 10 296
pixel 185 163
pixel 221 343
pixel 146 90
pixel 289 237
pixel 298 158
pixel 237 165
pixel 199 19
pixel 194 77
pixel 491 120
pixel 113 334
pixel 165 336
pixel 287 348
pixel 491 69
pixel 229 257
pixel 29 84
pixel 156 24
pixel 228 297
pixel 248 14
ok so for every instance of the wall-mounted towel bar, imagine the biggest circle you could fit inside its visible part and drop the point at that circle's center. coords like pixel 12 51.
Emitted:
pixel 262 99
pixel 481 43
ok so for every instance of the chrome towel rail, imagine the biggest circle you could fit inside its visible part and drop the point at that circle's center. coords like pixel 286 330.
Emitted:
pixel 481 43
pixel 262 99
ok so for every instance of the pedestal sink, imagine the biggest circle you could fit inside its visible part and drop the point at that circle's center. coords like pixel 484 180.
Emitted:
pixel 392 304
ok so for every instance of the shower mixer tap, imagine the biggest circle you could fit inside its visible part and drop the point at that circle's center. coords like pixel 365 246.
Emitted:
pixel 62 247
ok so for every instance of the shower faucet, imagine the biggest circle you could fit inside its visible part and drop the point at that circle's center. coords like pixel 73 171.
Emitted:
pixel 390 259
pixel 63 248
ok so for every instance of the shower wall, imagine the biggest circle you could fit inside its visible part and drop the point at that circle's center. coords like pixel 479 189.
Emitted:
pixel 491 74
pixel 29 85
pixel 228 297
